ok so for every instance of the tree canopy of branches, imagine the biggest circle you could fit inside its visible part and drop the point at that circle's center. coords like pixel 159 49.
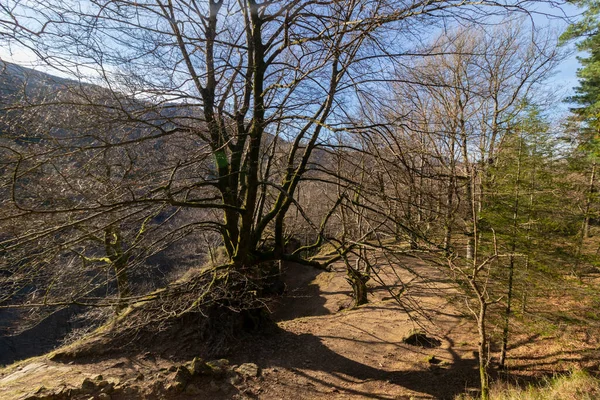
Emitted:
pixel 248 132
pixel 215 106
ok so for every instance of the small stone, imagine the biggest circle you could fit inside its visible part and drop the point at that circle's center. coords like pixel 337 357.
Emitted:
pixel 106 387
pixel 417 338
pixel 248 370
pixel 198 367
pixel 182 375
pixel 218 367
pixel 433 360
pixel 98 378
pixel 88 386
pixel 104 396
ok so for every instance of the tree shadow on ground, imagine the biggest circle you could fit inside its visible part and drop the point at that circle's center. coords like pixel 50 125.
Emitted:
pixel 303 297
pixel 309 358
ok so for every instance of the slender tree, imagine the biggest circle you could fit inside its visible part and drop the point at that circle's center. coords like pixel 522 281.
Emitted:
pixel 232 104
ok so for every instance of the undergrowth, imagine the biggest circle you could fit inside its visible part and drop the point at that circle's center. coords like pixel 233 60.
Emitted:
pixel 577 385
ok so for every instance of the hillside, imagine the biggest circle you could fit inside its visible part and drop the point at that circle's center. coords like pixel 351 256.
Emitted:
pixel 320 349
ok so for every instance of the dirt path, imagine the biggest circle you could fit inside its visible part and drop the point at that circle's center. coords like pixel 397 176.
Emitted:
pixel 322 351
pixel 328 351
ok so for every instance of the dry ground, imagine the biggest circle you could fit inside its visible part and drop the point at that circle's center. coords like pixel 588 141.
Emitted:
pixel 322 350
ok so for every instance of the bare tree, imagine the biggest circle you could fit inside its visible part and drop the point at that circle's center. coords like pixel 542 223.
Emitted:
pixel 239 77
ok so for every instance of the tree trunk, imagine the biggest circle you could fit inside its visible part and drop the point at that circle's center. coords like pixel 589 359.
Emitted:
pixel 511 264
pixel 449 215
pixel 588 205
pixel 470 245
pixel 114 250
pixel 483 345
pixel 358 281
pixel 585 225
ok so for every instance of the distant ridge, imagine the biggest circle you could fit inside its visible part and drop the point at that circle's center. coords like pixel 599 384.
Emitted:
pixel 15 77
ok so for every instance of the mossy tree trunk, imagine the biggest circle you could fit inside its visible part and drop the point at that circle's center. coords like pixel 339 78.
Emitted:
pixel 358 281
pixel 118 257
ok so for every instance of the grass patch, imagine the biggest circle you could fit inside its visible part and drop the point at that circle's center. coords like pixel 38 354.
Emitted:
pixel 577 385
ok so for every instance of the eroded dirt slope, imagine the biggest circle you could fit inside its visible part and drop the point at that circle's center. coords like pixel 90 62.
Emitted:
pixel 323 350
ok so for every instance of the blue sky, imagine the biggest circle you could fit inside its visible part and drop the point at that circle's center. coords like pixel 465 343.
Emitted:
pixel 563 81
pixel 565 78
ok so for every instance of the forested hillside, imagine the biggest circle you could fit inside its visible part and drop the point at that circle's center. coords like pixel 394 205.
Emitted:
pixel 268 181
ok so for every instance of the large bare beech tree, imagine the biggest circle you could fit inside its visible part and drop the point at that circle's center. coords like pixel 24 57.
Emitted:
pixel 215 106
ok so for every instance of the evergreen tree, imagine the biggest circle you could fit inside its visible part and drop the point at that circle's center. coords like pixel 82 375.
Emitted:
pixel 586 100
